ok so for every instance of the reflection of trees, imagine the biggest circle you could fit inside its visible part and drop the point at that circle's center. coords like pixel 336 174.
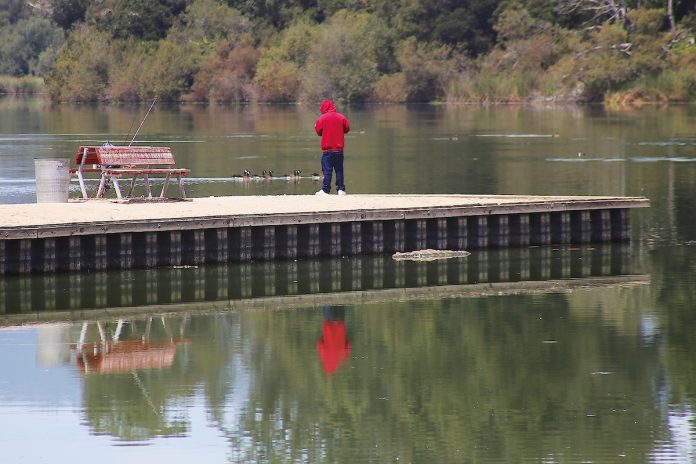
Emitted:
pixel 507 378
pixel 676 302
pixel 476 379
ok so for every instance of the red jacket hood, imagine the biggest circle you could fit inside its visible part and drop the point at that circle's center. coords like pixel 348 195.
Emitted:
pixel 326 106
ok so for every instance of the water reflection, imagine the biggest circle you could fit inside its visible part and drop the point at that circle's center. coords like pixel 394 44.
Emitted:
pixel 51 293
pixel 124 348
pixel 333 345
pixel 424 380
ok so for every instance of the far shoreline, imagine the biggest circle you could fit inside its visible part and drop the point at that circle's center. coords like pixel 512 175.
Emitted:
pixel 539 102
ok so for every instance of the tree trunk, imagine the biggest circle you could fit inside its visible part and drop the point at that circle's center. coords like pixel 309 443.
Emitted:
pixel 670 15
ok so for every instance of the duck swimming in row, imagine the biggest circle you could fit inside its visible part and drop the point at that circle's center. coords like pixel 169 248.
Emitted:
pixel 268 175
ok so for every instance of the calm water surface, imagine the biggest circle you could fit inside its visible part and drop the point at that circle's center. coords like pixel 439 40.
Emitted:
pixel 580 354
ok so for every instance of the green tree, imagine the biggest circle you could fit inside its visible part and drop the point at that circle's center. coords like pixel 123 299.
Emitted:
pixel 81 69
pixel 67 12
pixel 426 70
pixel 278 72
pixel 172 70
pixel 22 43
pixel 144 19
pixel 12 10
pixel 344 63
pixel 206 21
pixel 275 13
pixel 468 25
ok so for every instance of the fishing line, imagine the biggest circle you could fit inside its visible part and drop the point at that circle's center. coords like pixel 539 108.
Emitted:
pixel 130 128
pixel 143 121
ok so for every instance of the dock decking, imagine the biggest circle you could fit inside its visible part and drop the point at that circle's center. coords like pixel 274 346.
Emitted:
pixel 98 235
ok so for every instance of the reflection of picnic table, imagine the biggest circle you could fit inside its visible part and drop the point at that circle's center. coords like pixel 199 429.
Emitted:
pixel 114 162
pixel 126 356
pixel 111 355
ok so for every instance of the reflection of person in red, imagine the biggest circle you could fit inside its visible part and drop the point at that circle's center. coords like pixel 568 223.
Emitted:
pixel 333 346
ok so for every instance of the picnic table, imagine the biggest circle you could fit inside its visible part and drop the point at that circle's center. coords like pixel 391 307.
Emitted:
pixel 114 162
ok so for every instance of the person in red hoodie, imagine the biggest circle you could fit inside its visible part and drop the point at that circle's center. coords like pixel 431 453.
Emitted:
pixel 332 126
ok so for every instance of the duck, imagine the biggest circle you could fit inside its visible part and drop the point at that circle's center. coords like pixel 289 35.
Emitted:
pixel 316 176
pixel 454 137
pixel 581 153
pixel 268 175
pixel 295 174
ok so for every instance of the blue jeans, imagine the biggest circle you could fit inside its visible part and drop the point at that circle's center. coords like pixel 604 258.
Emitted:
pixel 330 161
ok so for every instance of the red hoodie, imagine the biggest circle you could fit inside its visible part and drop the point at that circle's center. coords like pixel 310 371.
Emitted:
pixel 331 125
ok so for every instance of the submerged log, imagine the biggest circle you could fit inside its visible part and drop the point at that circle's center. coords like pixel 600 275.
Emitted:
pixel 429 255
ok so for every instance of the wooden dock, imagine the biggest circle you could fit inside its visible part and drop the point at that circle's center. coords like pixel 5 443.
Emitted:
pixel 106 234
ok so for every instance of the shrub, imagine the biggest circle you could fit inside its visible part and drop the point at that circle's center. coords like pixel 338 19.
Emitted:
pixel 391 88
pixel 21 85
pixel 81 69
pixel 278 81
pixel 648 20
pixel 278 70
pixel 128 74
pixel 227 76
pixel 426 69
pixel 677 85
pixel 514 24
pixel 635 97
pixel 171 71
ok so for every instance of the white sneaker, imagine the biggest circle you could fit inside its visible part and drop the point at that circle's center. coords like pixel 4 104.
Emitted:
pixel 341 192
pixel 321 192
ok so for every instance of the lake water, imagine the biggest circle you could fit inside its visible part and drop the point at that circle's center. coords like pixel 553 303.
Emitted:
pixel 582 354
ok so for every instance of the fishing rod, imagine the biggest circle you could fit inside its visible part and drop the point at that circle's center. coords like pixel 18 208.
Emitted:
pixel 143 121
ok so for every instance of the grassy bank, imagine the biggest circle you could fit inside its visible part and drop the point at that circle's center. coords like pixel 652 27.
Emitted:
pixel 27 85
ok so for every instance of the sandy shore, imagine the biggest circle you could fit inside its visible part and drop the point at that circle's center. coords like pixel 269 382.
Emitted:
pixel 26 215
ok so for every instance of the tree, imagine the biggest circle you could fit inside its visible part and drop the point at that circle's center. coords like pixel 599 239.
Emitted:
pixel 670 15
pixel 81 69
pixel 12 10
pixel 601 10
pixel 278 71
pixel 468 25
pixel 344 63
pixel 67 12
pixel 143 19
pixel 275 13
pixel 227 76
pixel 23 42
pixel 210 20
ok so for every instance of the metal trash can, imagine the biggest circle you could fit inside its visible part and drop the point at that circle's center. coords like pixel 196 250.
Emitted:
pixel 52 180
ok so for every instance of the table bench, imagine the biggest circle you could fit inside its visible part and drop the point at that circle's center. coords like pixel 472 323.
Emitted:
pixel 113 162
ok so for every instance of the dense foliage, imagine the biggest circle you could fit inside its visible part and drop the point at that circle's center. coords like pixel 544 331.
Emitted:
pixel 621 51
